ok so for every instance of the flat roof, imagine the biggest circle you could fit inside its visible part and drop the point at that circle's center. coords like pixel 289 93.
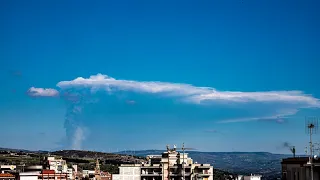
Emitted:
pixel 298 160
pixel 29 173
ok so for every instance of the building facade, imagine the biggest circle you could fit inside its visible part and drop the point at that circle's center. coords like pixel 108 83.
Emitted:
pixel 128 172
pixel 52 175
pixel 298 168
pixel 106 176
pixel 58 165
pixel 171 165
pixel 7 168
pixel 28 176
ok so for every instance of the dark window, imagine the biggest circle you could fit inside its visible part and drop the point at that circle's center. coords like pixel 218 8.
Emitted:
pixel 284 176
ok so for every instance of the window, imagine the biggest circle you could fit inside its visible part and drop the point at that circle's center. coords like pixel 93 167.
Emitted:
pixel 284 176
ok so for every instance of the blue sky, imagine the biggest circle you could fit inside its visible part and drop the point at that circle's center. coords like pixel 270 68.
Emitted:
pixel 112 75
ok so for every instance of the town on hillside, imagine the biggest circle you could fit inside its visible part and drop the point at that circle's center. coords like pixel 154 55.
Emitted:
pixel 172 164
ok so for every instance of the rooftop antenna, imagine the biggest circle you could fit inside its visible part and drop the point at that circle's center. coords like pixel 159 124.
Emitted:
pixel 183 162
pixel 316 148
pixel 306 150
pixel 311 128
pixel 183 153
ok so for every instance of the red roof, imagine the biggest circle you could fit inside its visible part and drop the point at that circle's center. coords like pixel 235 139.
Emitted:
pixel 48 171
pixel 6 175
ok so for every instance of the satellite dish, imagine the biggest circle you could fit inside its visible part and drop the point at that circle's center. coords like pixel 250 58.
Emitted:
pixel 315 157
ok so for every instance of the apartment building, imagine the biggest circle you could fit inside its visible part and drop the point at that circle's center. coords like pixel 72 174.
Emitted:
pixel 58 165
pixel 298 168
pixel 171 165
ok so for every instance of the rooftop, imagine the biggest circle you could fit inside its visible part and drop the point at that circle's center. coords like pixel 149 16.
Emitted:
pixel 298 160
pixel 35 173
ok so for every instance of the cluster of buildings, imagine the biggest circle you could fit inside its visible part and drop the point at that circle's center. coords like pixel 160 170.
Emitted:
pixel 170 165
pixel 51 169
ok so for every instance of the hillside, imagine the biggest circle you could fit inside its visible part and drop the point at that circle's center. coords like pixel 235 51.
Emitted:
pixel 84 159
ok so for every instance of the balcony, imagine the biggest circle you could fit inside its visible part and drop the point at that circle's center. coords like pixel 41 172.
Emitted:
pixel 151 174
pixel 186 174
pixel 175 174
pixel 151 167
pixel 205 166
pixel 204 174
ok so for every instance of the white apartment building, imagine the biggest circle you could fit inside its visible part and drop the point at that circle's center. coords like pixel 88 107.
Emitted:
pixel 70 174
pixel 171 165
pixel 128 172
pixel 58 165
pixel 7 168
pixel 88 173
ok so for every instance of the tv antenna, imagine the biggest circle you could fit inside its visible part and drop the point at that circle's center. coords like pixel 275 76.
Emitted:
pixel 183 150
pixel 311 128
pixel 174 150
pixel 183 157
pixel 316 147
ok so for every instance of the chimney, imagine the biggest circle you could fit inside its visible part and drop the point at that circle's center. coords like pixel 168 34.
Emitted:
pixel 294 151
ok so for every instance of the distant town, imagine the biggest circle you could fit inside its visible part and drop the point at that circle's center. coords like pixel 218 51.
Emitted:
pixel 172 164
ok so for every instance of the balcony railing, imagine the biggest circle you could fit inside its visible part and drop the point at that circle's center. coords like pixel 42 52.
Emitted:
pixel 151 174
pixel 204 174
pixel 180 174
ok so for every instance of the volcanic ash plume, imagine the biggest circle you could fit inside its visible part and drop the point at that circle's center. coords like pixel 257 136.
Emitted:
pixel 78 138
pixel 289 146
pixel 73 123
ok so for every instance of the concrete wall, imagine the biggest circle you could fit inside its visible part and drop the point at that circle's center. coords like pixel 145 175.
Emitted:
pixel 28 176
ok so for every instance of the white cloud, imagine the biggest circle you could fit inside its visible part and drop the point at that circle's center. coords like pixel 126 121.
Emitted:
pixel 42 92
pixel 270 118
pixel 279 103
pixel 278 118
pixel 111 84
pixel 191 93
